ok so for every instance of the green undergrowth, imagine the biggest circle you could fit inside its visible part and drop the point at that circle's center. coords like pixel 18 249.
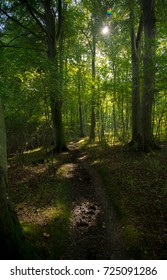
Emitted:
pixel 136 185
pixel 41 198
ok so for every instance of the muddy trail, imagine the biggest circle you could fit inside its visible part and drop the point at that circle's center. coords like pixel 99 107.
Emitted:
pixel 95 232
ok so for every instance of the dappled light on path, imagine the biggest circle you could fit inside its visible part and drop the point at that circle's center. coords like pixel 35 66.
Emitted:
pixel 67 170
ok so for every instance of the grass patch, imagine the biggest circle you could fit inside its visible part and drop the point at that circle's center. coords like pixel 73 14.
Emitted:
pixel 29 228
pixel 132 237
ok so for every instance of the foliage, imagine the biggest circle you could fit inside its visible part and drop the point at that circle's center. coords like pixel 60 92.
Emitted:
pixel 39 89
pixel 28 68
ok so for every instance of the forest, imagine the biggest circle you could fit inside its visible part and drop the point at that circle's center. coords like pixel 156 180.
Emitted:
pixel 83 129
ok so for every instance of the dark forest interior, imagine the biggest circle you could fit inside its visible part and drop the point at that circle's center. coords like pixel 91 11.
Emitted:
pixel 83 129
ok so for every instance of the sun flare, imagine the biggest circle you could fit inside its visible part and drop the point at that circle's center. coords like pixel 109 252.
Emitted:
pixel 105 30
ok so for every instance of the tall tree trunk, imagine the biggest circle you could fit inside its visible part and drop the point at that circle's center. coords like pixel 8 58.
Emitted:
pixel 115 132
pixel 80 105
pixel 80 117
pixel 149 73
pixel 58 129
pixel 11 236
pixel 93 117
pixel 55 97
pixel 93 50
pixel 135 50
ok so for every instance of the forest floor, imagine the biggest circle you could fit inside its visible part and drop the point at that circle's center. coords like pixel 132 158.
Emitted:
pixel 92 202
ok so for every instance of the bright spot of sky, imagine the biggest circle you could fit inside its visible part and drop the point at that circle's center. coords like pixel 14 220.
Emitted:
pixel 105 30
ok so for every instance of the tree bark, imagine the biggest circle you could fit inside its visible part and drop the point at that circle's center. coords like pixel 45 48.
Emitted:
pixel 142 134
pixel 93 117
pixel 55 78
pixel 94 24
pixel 135 50
pixel 115 132
pixel 149 73
pixel 80 105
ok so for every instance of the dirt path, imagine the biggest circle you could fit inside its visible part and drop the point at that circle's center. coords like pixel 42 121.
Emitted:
pixel 95 232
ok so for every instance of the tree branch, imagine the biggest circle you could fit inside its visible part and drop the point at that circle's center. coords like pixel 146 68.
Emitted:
pixel 22 35
pixel 31 11
pixel 88 39
pixel 24 48
pixel 18 22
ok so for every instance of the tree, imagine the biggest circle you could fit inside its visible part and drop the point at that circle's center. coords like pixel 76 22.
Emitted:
pixel 47 19
pixel 142 133
pixel 148 8
pixel 84 70
pixel 12 244
pixel 93 51
pixel 136 81
pixel 53 39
